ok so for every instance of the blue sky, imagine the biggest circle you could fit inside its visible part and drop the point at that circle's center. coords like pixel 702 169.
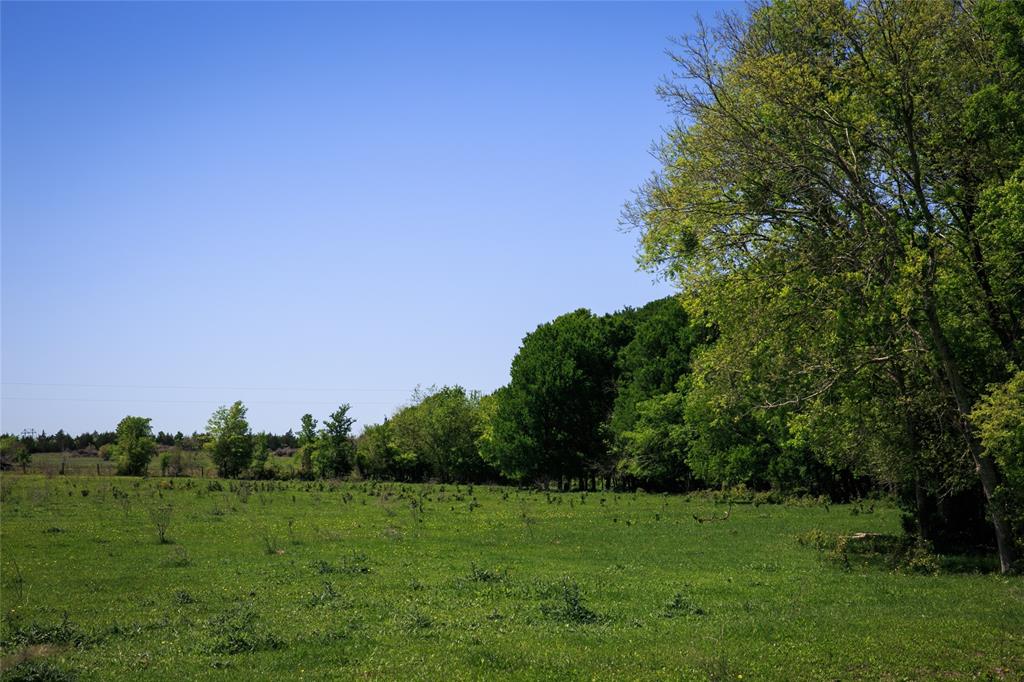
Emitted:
pixel 300 205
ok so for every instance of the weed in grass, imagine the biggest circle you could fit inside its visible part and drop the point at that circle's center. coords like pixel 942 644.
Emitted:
pixel 322 567
pixel 270 543
pixel 16 579
pixel 239 631
pixel 66 632
pixel 415 620
pixel 717 669
pixel 682 605
pixel 485 575
pixel 570 608
pixel 326 595
pixel 182 597
pixel 39 671
pixel 122 499
pixel 355 564
pixel 160 517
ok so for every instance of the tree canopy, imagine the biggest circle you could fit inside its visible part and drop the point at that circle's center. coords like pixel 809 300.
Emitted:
pixel 837 201
pixel 231 441
pixel 135 446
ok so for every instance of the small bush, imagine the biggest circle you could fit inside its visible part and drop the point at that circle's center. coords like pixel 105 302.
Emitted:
pixel 160 516
pixel 682 605
pixel 485 575
pixel 322 567
pixel 570 608
pixel 66 632
pixel 239 631
pixel 182 597
pixel 325 596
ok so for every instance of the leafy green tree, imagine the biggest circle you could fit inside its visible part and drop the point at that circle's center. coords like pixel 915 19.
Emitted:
pixel 647 426
pixel 548 421
pixel 135 446
pixel 260 455
pixel 230 440
pixel 999 416
pixel 654 358
pixel 654 450
pixel 838 201
pixel 333 450
pixel 376 453
pixel 450 429
pixel 14 451
pixel 308 440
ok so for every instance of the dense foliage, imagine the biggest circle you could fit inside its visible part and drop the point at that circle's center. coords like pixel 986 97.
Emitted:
pixel 135 446
pixel 230 439
pixel 435 437
pixel 841 200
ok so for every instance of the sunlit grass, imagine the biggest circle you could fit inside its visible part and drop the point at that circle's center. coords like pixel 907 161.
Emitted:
pixel 319 581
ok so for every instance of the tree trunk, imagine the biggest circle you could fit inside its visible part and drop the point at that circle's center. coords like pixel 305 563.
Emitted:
pixel 983 464
pixel 922 509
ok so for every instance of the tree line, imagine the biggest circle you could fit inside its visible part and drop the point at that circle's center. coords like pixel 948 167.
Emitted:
pixel 93 441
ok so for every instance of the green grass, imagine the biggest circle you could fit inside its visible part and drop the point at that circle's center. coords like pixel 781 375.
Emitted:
pixel 325 581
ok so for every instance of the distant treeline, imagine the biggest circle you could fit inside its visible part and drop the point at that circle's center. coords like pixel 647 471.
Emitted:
pixel 87 442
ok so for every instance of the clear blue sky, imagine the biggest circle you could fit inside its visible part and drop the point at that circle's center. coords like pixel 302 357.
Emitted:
pixel 299 205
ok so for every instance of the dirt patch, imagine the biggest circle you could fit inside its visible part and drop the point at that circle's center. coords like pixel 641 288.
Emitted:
pixel 30 652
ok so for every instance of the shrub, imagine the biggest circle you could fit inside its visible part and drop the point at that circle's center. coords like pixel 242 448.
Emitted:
pixel 485 575
pixel 65 632
pixel 161 519
pixel 239 631
pixel 682 605
pixel 570 609
pixel 135 446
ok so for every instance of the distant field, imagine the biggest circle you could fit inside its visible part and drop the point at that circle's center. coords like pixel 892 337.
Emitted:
pixel 326 581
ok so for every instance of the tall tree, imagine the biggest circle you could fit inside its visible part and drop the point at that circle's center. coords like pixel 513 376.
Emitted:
pixel 12 451
pixel 230 439
pixel 826 201
pixel 334 453
pixel 135 446
pixel 548 421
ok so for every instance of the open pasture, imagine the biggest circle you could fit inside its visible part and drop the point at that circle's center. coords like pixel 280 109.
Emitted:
pixel 324 580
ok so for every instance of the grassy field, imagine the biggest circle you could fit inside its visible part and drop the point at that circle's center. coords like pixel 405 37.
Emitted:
pixel 325 581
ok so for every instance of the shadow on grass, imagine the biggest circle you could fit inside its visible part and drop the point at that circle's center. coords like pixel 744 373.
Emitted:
pixel 896 553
